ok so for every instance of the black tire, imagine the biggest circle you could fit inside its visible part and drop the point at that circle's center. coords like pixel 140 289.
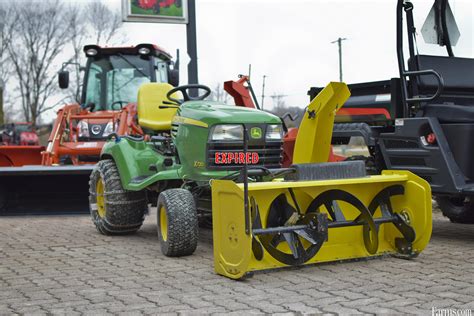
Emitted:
pixel 123 211
pixel 457 209
pixel 177 223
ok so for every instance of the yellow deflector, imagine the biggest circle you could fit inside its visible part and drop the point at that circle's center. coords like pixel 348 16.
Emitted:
pixel 313 142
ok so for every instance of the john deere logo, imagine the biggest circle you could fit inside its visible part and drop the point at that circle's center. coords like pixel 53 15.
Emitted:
pixel 256 132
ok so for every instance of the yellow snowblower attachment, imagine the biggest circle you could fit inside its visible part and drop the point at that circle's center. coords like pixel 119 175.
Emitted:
pixel 319 212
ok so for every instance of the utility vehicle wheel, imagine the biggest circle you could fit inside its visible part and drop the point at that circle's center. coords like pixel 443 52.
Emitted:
pixel 114 210
pixel 457 209
pixel 177 222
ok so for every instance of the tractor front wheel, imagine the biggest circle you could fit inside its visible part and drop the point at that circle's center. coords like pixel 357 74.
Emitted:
pixel 114 210
pixel 457 209
pixel 177 223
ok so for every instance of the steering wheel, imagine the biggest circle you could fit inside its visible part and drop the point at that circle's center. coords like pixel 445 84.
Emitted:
pixel 119 102
pixel 186 97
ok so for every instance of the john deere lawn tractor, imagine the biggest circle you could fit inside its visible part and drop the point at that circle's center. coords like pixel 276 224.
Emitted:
pixel 210 160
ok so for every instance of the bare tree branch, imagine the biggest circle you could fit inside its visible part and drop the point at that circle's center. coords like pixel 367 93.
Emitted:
pixel 97 22
pixel 5 64
pixel 103 22
pixel 40 33
pixel 219 94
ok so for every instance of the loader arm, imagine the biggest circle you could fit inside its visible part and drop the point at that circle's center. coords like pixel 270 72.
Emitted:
pixel 243 95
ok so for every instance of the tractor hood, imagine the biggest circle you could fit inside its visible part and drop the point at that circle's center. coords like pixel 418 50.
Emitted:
pixel 211 113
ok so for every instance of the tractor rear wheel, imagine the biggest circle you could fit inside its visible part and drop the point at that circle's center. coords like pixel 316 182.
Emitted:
pixel 457 209
pixel 177 223
pixel 114 210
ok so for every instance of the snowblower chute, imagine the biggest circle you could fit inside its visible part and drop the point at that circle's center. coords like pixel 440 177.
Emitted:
pixel 317 212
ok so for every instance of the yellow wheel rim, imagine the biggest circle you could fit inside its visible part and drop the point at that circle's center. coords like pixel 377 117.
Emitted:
pixel 163 223
pixel 99 190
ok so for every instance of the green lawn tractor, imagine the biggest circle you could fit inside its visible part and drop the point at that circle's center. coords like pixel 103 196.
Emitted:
pixel 207 160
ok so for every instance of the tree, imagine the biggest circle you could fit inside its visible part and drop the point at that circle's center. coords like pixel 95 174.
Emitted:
pixel 78 32
pixel 5 65
pixel 219 94
pixel 104 22
pixel 93 24
pixel 278 100
pixel 42 33
pixel 281 109
pixel 39 35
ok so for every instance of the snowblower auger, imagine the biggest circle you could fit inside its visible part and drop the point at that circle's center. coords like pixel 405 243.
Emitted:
pixel 294 223
pixel 319 212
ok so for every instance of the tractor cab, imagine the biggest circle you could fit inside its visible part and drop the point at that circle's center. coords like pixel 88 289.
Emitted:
pixel 113 75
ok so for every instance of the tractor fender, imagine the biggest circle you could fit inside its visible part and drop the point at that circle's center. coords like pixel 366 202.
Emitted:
pixel 139 165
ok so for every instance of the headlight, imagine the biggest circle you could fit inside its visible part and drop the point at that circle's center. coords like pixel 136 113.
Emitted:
pixel 83 128
pixel 109 129
pixel 228 132
pixel 144 50
pixel 274 132
pixel 91 52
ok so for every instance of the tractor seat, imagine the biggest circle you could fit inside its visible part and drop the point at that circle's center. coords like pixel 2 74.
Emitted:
pixel 451 113
pixel 456 72
pixel 150 96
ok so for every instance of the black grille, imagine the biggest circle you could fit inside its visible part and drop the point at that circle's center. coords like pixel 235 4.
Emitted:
pixel 174 130
pixel 270 154
pixel 96 132
pixel 398 143
pixel 407 161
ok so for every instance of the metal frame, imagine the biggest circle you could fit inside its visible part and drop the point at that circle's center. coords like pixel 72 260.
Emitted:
pixel 408 96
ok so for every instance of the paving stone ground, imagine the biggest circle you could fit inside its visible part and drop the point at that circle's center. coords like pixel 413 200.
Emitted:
pixel 61 265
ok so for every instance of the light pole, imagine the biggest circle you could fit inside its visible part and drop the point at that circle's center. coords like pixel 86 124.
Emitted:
pixel 263 89
pixel 191 40
pixel 339 43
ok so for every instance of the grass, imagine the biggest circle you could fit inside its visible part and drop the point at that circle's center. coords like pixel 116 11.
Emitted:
pixel 169 11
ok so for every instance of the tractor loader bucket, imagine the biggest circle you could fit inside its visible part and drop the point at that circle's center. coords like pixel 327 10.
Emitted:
pixel 294 223
pixel 16 156
pixel 27 187
pixel 38 190
pixel 321 211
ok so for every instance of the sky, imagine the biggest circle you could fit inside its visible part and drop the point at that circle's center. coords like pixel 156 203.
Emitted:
pixel 289 41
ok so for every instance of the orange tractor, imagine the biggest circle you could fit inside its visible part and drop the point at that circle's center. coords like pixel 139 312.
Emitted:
pixel 37 179
pixel 19 145
pixel 20 133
